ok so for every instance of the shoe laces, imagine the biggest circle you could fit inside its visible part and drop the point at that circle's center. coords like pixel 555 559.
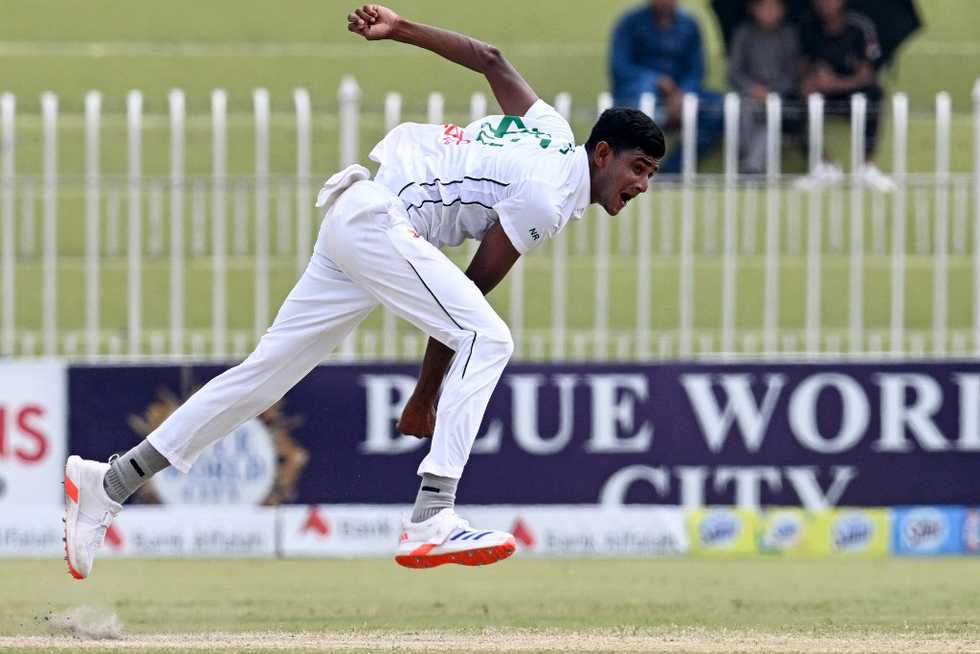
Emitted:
pixel 100 525
pixel 459 523
pixel 94 544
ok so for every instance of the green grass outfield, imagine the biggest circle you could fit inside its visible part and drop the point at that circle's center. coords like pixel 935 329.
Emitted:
pixel 581 605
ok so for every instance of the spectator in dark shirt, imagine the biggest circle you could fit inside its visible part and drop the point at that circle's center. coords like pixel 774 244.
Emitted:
pixel 764 58
pixel 841 54
pixel 658 49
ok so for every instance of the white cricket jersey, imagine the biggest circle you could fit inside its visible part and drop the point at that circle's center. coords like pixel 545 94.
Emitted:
pixel 455 181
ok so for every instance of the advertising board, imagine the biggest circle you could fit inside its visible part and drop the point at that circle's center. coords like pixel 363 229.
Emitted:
pixel 749 435
pixel 33 420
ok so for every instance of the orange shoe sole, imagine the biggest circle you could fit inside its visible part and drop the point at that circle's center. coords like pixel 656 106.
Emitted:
pixel 71 495
pixel 71 569
pixel 480 556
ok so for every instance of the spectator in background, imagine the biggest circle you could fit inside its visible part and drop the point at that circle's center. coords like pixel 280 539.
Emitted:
pixel 841 54
pixel 764 58
pixel 658 49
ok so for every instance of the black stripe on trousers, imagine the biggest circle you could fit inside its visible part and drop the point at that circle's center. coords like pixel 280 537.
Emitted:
pixel 448 315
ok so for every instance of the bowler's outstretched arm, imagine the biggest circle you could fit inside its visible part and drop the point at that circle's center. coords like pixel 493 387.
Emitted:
pixel 513 93
pixel 496 254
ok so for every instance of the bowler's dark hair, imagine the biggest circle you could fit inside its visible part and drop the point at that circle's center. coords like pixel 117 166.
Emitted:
pixel 624 129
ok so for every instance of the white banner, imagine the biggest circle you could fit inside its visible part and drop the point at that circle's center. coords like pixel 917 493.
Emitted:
pixel 588 530
pixel 345 531
pixel 33 427
pixel 192 532
pixel 31 531
pixel 341 530
pixel 369 530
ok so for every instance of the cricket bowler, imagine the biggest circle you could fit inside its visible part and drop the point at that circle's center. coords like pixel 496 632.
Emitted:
pixel 511 182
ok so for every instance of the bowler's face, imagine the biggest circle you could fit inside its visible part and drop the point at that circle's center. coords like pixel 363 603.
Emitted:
pixel 664 6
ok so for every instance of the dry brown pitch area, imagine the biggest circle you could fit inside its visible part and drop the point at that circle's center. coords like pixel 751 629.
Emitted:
pixel 659 640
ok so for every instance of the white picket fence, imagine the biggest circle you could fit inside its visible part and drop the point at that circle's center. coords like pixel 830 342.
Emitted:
pixel 182 224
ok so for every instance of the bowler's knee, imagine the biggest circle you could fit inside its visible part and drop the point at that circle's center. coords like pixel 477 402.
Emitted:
pixel 499 340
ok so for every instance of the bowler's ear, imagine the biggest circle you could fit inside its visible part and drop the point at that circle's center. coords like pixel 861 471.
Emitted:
pixel 602 153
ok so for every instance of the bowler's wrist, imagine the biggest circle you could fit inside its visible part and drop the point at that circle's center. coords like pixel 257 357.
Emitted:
pixel 401 30
pixel 424 394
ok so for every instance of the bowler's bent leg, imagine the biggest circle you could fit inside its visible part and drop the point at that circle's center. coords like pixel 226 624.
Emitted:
pixel 419 283
pixel 320 311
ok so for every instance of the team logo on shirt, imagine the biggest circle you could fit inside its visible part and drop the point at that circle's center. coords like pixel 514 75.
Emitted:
pixel 452 134
pixel 510 129
pixel 534 233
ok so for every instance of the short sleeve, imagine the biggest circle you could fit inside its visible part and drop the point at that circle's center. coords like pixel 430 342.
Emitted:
pixel 530 216
pixel 869 48
pixel 546 118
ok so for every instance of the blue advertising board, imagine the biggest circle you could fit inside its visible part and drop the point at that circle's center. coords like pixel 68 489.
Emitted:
pixel 928 530
pixel 693 434
pixel 971 531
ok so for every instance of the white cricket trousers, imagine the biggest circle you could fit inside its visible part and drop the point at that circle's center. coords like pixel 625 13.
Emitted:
pixel 366 253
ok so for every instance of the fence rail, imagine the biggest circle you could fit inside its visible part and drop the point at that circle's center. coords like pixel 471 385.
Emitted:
pixel 140 265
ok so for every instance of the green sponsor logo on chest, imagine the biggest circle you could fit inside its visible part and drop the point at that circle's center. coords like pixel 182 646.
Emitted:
pixel 511 129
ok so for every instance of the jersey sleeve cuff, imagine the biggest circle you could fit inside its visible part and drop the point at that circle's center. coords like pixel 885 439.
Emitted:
pixel 516 238
pixel 537 108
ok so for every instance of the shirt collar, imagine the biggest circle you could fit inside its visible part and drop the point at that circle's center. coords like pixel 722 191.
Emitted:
pixel 583 190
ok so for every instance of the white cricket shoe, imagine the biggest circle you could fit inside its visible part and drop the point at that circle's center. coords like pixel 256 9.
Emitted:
pixel 88 513
pixel 825 174
pixel 871 176
pixel 447 538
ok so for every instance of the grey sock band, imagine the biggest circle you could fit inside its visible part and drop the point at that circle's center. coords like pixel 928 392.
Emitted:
pixel 131 470
pixel 435 494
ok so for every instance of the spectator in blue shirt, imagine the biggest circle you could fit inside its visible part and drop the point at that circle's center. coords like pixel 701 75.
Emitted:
pixel 658 48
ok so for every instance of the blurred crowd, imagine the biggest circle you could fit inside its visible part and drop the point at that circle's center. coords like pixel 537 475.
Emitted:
pixel 833 51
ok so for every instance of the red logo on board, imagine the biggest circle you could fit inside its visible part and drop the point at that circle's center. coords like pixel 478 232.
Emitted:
pixel 114 537
pixel 316 523
pixel 522 533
